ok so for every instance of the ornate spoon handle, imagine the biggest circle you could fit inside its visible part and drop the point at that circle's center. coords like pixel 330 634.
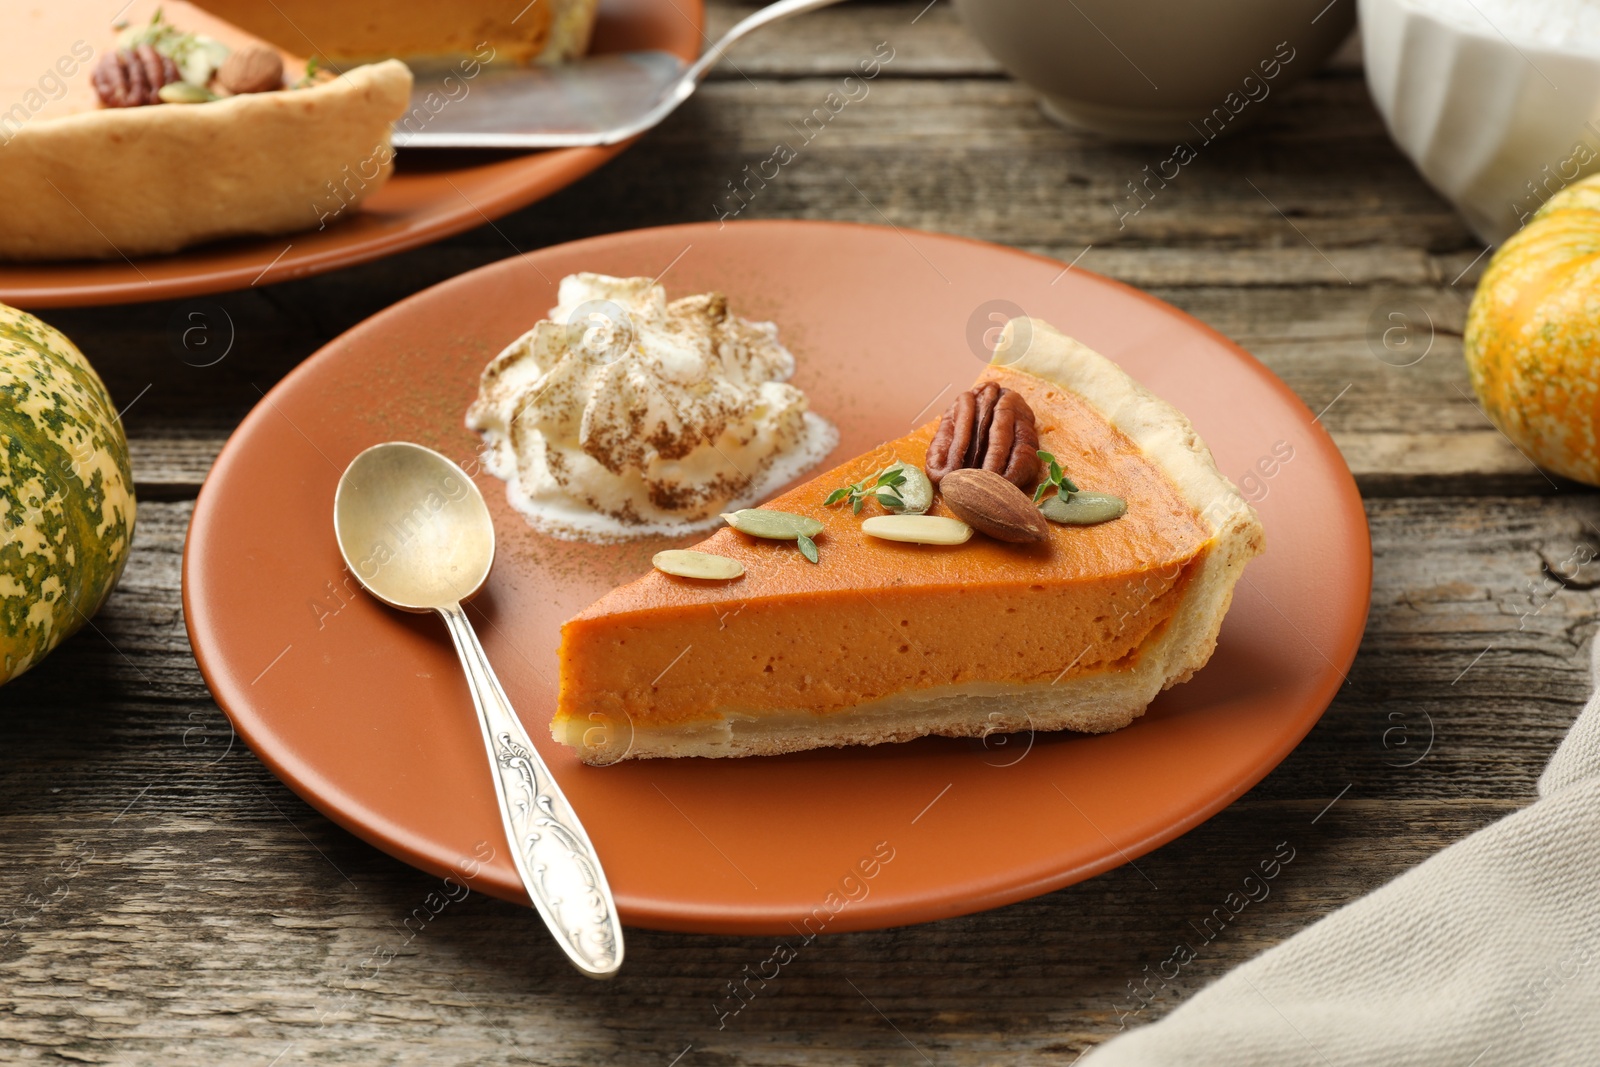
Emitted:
pixel 548 844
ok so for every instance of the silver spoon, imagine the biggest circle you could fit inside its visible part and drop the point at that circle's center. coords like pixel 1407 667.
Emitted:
pixel 592 101
pixel 416 533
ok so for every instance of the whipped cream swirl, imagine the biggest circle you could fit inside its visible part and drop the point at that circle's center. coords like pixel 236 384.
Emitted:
pixel 623 415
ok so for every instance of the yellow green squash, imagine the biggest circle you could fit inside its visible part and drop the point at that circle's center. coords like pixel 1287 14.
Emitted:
pixel 1532 339
pixel 66 491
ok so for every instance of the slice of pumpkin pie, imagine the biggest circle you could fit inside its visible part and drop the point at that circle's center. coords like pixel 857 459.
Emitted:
pixel 883 640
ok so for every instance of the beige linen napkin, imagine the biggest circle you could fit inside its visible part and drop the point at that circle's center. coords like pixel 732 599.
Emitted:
pixel 1488 953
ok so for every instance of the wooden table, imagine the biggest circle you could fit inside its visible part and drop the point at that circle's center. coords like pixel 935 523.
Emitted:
pixel 214 918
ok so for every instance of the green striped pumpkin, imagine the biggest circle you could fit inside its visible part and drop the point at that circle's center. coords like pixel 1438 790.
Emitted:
pixel 66 491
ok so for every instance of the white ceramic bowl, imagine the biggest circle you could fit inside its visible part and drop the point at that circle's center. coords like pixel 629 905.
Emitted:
pixel 1495 120
pixel 1158 70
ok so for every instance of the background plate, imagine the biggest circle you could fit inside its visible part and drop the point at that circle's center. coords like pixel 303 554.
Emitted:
pixel 363 710
pixel 432 195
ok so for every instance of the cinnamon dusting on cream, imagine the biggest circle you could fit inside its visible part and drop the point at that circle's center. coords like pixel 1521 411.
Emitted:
pixel 622 415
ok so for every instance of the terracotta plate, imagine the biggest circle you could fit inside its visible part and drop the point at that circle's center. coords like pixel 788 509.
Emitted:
pixel 432 195
pixel 363 711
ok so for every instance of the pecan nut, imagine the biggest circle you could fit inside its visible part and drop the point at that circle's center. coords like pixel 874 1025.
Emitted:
pixel 991 428
pixel 131 77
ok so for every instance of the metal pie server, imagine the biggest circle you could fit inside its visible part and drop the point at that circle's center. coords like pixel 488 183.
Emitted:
pixel 598 100
pixel 414 530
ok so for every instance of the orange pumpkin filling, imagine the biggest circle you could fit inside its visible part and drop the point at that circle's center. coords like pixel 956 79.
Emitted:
pixel 500 29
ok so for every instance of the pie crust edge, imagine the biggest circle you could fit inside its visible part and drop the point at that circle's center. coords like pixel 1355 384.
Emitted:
pixel 125 182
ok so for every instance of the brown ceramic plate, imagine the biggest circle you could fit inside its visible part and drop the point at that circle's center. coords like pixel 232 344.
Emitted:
pixel 363 710
pixel 432 195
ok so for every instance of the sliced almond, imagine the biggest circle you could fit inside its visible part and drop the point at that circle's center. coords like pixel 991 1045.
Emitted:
pixel 993 505
pixel 686 563
pixel 918 529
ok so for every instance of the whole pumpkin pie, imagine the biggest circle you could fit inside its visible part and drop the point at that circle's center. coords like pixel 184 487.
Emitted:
pixel 883 641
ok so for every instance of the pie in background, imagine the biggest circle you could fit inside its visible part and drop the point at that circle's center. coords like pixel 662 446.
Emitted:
pixel 183 124
pixel 547 31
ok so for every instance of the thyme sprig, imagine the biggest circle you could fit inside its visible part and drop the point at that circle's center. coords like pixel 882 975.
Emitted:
pixel 1054 478
pixel 883 487
pixel 312 75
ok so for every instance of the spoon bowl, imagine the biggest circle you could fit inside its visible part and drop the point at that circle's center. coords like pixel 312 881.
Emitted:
pixel 413 528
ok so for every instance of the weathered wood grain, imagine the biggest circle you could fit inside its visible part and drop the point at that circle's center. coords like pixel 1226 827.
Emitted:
pixel 215 917
pixel 205 915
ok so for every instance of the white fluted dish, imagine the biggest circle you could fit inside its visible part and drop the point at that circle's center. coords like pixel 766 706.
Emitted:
pixel 1497 122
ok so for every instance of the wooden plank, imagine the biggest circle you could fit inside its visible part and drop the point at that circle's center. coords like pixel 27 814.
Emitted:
pixel 214 917
pixel 190 941
pixel 169 467
pixel 1464 463
pixel 1005 172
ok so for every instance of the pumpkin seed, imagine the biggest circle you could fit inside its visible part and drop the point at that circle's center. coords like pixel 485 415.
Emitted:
pixel 182 92
pixel 916 492
pixel 777 525
pixel 688 564
pixel 1084 509
pixel 918 529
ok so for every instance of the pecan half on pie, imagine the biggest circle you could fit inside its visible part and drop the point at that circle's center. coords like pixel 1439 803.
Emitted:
pixel 989 427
